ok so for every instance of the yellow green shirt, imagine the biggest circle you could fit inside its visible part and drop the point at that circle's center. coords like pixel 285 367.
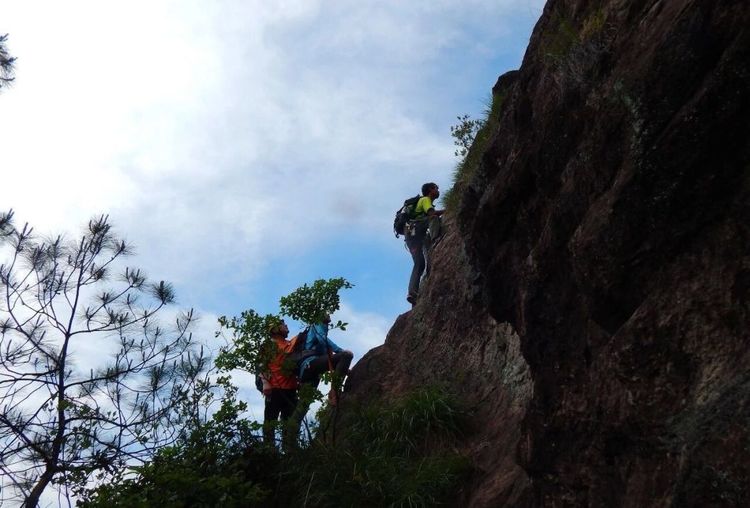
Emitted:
pixel 423 206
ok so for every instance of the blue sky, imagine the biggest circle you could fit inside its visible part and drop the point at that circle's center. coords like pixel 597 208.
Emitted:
pixel 247 147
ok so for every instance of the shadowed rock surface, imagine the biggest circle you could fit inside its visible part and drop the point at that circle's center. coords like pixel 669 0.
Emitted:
pixel 591 300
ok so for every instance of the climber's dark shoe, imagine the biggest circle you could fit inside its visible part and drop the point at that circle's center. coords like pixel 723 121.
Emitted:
pixel 412 299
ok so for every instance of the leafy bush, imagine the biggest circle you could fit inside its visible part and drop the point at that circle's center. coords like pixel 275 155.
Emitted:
pixel 252 347
pixel 310 304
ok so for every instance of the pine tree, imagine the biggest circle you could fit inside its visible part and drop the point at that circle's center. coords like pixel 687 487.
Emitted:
pixel 62 422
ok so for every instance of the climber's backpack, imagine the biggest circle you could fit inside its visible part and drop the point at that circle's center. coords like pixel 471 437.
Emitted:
pixel 298 352
pixel 404 215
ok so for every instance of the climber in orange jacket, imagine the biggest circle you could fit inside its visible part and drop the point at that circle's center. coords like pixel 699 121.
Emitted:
pixel 279 388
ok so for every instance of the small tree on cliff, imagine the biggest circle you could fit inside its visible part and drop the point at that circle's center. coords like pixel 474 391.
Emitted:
pixel 464 133
pixel 62 420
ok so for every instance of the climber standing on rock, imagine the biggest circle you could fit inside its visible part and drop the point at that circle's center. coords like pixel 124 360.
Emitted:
pixel 420 232
pixel 279 388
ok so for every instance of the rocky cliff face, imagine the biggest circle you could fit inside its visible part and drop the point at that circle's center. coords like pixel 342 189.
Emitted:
pixel 591 301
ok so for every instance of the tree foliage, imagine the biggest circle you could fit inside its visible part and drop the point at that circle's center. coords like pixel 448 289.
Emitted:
pixel 250 347
pixel 310 304
pixel 6 63
pixel 63 420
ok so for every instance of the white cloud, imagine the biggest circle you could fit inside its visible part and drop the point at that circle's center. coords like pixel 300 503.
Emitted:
pixel 206 128
pixel 365 330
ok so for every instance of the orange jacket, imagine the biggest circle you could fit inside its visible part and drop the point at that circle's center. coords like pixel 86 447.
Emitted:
pixel 279 376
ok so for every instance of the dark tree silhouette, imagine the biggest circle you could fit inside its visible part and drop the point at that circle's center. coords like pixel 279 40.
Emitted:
pixel 61 420
pixel 6 63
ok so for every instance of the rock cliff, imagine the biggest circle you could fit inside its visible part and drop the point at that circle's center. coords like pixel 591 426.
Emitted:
pixel 591 300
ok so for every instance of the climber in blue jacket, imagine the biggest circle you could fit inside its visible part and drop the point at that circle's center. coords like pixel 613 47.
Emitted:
pixel 328 356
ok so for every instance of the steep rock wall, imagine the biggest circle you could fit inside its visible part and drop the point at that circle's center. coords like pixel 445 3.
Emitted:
pixel 592 299
pixel 449 338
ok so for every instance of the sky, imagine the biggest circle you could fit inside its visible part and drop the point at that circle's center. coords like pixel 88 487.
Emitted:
pixel 248 147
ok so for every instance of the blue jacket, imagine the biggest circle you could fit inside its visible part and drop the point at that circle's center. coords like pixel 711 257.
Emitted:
pixel 318 341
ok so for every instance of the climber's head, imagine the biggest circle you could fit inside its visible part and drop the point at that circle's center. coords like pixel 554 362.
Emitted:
pixel 279 330
pixel 431 190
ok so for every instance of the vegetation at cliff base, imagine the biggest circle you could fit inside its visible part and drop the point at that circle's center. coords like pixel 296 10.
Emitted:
pixel 377 453
pixel 391 453
pixel 394 453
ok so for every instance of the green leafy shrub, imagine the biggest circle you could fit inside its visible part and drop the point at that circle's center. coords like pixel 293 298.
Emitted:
pixel 252 347
pixel 394 453
pixel 310 304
